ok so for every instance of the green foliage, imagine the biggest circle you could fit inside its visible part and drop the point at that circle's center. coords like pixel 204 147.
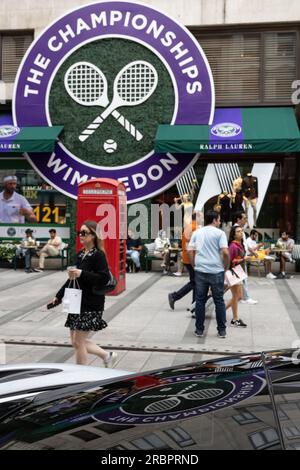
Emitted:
pixel 7 251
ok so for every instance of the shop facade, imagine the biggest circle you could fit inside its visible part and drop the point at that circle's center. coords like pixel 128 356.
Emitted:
pixel 253 66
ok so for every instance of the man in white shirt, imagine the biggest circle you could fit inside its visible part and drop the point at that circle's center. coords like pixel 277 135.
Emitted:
pixel 14 207
pixel 252 248
pixel 50 249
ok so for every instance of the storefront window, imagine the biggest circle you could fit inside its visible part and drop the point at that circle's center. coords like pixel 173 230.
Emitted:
pixel 276 192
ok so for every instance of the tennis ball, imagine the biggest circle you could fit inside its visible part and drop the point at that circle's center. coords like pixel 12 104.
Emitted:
pixel 110 146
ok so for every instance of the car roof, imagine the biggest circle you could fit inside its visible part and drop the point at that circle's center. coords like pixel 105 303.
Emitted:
pixel 217 403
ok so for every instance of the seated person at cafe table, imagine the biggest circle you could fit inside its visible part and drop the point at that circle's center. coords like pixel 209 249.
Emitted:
pixel 51 248
pixel 162 250
pixel 133 250
pixel 27 249
pixel 284 248
pixel 254 249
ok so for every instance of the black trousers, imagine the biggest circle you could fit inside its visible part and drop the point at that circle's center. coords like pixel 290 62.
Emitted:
pixel 188 287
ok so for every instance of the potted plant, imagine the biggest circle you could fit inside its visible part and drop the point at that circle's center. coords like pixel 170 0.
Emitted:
pixel 7 254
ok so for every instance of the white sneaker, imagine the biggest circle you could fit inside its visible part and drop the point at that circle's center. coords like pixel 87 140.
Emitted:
pixel 271 276
pixel 270 258
pixel 177 274
pixel 111 360
pixel 250 302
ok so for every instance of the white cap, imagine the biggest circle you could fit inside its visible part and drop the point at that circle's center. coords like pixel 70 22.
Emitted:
pixel 9 178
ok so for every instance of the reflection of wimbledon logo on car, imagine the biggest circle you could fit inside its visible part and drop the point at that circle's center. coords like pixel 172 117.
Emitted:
pixel 177 398
pixel 110 73
pixel 8 130
pixel 226 129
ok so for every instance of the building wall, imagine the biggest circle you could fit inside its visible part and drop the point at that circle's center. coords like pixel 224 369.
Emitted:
pixel 36 14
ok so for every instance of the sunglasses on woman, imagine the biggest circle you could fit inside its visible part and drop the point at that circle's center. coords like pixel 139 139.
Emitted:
pixel 83 233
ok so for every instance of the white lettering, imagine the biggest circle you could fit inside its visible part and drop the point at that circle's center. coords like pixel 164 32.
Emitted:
pixel 139 22
pixel 78 179
pixel 34 78
pixel 139 224
pixel 56 162
pixel 296 94
pixel 186 61
pixel 154 29
pixel 101 19
pixel 192 88
pixel 125 181
pixel 67 174
pixel 107 225
pixel 127 18
pixel 167 40
pixel 169 160
pixel 153 169
pixel 139 184
pixel 180 52
pixel 82 26
pixel 41 61
pixel 115 16
pixel 29 91
pixel 192 71
pixel 67 33
pixel 51 45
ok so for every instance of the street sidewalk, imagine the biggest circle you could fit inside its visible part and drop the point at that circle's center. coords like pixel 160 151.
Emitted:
pixel 143 329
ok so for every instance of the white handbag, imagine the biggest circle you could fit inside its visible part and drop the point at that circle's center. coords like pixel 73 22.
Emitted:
pixel 235 276
pixel 72 298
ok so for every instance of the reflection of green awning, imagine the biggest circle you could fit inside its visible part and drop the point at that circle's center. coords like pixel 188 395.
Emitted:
pixel 234 130
pixel 26 139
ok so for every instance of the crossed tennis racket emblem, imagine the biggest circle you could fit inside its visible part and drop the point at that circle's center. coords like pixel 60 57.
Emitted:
pixel 87 85
pixel 170 401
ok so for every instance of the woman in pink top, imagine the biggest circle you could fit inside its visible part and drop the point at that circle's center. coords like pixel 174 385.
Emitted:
pixel 237 257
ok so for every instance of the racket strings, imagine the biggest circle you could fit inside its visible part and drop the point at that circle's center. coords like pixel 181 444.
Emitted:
pixel 85 83
pixel 135 83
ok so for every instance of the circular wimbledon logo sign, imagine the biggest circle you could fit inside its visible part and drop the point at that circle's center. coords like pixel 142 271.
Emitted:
pixel 110 73
pixel 226 129
pixel 178 398
pixel 8 131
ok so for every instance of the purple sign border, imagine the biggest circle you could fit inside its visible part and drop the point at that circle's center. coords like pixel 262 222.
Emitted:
pixel 191 108
pixel 253 386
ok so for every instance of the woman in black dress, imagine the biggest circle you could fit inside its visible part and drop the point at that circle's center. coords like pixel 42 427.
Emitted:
pixel 91 271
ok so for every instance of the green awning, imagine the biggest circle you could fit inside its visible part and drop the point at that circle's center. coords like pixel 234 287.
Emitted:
pixel 26 139
pixel 234 130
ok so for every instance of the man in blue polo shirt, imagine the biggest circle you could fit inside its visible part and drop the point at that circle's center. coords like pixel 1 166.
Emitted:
pixel 14 207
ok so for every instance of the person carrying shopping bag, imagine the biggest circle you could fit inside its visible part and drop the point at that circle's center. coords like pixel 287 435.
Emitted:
pixel 91 273
pixel 236 274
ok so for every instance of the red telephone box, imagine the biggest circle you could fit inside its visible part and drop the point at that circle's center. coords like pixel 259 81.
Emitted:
pixel 104 201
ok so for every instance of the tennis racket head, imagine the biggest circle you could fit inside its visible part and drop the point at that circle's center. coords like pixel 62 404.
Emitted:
pixel 203 394
pixel 86 84
pixel 163 405
pixel 135 83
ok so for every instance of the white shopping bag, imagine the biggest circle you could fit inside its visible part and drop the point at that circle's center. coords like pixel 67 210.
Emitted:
pixel 235 276
pixel 72 298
